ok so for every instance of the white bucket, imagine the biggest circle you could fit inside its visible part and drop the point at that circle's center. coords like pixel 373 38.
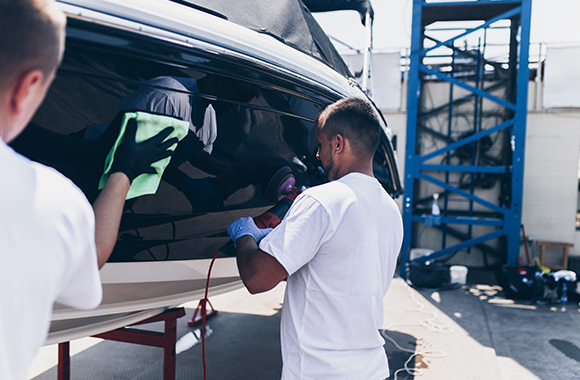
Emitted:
pixel 458 274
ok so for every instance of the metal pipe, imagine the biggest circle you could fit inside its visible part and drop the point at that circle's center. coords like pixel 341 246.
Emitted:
pixel 367 54
pixel 448 154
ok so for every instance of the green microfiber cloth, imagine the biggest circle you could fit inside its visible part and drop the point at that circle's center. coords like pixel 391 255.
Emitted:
pixel 148 125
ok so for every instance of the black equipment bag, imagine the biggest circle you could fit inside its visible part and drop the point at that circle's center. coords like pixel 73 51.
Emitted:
pixel 518 281
pixel 429 275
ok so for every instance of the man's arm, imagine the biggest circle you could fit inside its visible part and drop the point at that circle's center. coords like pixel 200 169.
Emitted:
pixel 259 271
pixel 131 160
pixel 108 209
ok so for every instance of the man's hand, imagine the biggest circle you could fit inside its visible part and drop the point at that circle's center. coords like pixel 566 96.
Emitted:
pixel 133 159
pixel 244 227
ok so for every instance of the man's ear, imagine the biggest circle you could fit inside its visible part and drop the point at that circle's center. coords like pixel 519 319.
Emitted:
pixel 338 143
pixel 24 90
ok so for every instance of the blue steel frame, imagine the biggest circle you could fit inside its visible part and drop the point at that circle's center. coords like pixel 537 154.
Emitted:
pixel 415 166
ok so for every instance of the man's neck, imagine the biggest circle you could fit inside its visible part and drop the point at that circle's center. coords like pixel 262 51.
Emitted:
pixel 7 121
pixel 357 167
pixel 6 134
pixel 3 130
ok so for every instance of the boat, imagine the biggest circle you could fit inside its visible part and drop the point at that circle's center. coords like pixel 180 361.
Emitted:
pixel 287 70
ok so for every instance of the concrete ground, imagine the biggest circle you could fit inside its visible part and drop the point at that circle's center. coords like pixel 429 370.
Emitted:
pixel 472 332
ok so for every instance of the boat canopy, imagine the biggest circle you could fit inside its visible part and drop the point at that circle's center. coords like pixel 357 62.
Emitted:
pixel 289 21
pixel 361 6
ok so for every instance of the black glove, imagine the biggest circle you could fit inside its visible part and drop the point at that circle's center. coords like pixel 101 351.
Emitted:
pixel 134 158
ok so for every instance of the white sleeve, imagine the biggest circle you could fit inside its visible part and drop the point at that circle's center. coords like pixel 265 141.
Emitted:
pixel 297 239
pixel 81 284
pixel 207 134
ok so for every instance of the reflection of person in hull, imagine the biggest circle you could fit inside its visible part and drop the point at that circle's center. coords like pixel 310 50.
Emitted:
pixel 80 156
pixel 338 248
pixel 51 242
pixel 172 96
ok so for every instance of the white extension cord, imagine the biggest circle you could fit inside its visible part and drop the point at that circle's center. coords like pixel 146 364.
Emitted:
pixel 429 324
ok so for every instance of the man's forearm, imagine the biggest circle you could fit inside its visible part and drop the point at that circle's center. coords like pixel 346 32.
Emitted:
pixel 132 159
pixel 108 210
pixel 246 249
pixel 259 271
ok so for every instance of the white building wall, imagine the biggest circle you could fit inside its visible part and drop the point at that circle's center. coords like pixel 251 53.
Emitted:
pixel 562 77
pixel 397 122
pixel 551 176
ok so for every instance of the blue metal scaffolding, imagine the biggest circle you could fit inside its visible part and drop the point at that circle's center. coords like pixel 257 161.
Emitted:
pixel 475 81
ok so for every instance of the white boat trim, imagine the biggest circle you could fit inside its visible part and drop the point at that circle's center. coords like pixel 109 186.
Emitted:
pixel 131 287
pixel 197 29
pixel 80 328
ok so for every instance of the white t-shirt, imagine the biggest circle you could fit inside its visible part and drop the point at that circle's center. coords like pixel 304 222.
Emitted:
pixel 339 243
pixel 172 99
pixel 47 254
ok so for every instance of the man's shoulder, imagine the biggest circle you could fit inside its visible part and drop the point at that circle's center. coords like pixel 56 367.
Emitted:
pixel 59 193
pixel 27 178
pixel 51 177
pixel 325 190
pixel 348 190
pixel 340 188
pixel 331 194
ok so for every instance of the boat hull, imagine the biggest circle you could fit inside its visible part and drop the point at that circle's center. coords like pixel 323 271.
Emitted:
pixel 166 240
pixel 136 291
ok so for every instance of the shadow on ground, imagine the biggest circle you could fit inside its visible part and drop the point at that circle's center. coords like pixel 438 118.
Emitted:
pixel 543 339
pixel 240 347
pixel 397 357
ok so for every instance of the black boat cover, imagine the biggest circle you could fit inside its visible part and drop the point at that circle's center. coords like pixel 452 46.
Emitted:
pixel 289 21
pixel 361 6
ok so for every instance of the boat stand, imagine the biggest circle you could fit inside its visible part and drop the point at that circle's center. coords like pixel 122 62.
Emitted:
pixel 165 340
pixel 201 309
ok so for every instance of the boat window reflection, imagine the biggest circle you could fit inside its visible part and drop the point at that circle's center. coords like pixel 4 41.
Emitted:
pixel 240 134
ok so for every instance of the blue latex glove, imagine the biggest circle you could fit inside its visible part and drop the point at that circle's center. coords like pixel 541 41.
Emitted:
pixel 246 226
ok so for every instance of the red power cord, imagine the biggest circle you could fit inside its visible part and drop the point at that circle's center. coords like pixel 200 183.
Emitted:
pixel 203 312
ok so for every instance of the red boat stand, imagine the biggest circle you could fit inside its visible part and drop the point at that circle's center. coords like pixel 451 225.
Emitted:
pixel 165 340
pixel 201 309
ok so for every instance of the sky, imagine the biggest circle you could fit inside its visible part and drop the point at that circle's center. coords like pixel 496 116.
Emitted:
pixel 554 23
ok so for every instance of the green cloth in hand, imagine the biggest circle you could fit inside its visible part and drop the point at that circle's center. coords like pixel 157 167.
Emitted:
pixel 148 125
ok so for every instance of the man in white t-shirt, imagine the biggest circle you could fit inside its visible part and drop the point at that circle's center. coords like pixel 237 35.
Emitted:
pixel 51 243
pixel 337 247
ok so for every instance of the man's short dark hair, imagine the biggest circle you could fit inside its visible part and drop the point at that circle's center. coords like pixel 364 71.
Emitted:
pixel 31 37
pixel 355 119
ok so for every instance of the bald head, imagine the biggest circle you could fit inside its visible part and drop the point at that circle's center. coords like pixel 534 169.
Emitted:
pixel 31 38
